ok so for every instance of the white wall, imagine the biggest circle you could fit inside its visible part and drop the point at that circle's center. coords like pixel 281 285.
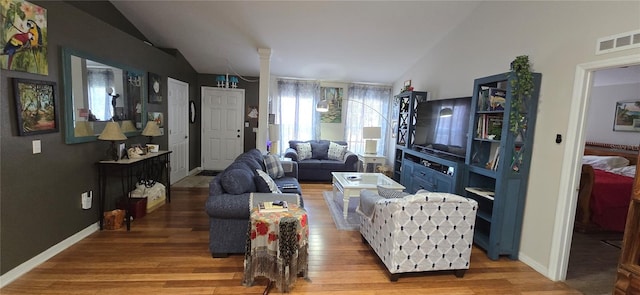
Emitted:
pixel 601 114
pixel 557 36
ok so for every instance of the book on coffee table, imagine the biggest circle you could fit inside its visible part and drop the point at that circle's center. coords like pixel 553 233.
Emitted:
pixel 272 207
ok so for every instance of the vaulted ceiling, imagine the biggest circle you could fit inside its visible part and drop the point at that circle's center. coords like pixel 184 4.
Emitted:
pixel 357 41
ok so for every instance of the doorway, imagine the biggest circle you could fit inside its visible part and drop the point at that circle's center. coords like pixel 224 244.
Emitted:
pixel 178 122
pixel 222 126
pixel 575 138
pixel 595 252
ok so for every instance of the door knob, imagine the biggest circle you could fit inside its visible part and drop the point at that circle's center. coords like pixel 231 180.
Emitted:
pixel 238 130
pixel 185 137
pixel 238 136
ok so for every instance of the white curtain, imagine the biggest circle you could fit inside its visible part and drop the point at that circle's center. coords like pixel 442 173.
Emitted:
pixel 367 106
pixel 295 103
pixel 99 80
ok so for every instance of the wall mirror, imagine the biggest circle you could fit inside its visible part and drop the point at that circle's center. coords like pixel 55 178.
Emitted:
pixel 96 92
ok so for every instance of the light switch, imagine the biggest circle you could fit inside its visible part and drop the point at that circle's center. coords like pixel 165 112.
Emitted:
pixel 37 148
pixel 246 124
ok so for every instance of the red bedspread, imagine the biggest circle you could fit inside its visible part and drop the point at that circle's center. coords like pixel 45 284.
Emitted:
pixel 610 200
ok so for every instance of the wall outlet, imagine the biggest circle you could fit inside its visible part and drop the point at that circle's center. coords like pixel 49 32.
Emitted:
pixel 87 198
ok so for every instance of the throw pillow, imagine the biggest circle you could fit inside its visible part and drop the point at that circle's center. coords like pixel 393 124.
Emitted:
pixel 319 150
pixel 388 193
pixel 304 151
pixel 269 181
pixel 336 151
pixel 273 167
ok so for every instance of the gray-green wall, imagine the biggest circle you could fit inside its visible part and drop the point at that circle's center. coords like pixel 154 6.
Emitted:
pixel 40 194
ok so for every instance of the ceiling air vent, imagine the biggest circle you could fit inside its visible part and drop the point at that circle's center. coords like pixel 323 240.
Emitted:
pixel 618 42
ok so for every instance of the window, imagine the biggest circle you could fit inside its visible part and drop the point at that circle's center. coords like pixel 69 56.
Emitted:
pixel 295 102
pixel 367 106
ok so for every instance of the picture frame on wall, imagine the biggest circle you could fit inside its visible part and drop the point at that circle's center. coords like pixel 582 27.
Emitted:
pixel 334 97
pixel 627 117
pixel 24 30
pixel 36 106
pixel 155 88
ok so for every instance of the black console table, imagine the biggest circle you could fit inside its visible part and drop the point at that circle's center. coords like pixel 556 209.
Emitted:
pixel 127 168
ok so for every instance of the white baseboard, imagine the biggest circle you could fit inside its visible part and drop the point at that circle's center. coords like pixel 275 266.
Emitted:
pixel 30 264
pixel 195 171
pixel 535 265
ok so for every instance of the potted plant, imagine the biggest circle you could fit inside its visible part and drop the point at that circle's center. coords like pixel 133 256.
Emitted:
pixel 521 80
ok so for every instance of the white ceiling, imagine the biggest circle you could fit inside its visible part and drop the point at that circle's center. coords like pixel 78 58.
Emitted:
pixel 617 76
pixel 354 41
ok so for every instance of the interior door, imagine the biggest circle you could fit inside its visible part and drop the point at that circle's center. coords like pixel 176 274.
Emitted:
pixel 628 278
pixel 178 122
pixel 222 126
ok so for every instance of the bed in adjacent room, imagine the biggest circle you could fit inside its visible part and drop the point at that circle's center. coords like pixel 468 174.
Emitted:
pixel 605 188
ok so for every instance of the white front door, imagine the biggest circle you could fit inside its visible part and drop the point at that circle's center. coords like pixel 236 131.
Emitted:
pixel 178 122
pixel 222 126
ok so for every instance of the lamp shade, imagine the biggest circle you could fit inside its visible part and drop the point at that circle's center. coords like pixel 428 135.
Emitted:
pixel 274 132
pixel 371 132
pixel 151 129
pixel 83 128
pixel 127 126
pixel 112 132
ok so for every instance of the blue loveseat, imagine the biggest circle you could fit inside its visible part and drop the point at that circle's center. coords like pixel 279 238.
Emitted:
pixel 230 198
pixel 320 165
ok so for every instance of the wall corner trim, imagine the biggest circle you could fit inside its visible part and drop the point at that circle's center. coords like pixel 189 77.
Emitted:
pixel 32 263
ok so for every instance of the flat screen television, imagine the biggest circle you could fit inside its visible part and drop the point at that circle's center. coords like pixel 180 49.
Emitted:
pixel 442 126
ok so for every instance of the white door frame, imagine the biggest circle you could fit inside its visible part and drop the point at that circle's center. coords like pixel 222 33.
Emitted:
pixel 183 124
pixel 570 171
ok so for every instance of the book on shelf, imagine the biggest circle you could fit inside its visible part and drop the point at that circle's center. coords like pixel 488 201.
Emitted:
pixel 489 126
pixel 484 192
pixel 496 159
pixel 277 206
pixel 491 99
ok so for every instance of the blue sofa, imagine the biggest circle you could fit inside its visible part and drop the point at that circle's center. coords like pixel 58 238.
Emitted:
pixel 319 166
pixel 230 196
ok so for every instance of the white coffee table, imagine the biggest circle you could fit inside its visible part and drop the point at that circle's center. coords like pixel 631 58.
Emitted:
pixel 351 183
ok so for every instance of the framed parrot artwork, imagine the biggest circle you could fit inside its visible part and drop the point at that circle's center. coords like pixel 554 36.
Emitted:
pixel 23 34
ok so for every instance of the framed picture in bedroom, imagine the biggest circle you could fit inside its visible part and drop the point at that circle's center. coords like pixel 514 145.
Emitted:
pixel 627 117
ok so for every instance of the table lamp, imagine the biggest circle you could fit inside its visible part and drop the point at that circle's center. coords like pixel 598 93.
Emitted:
pixel 112 133
pixel 83 128
pixel 127 126
pixel 371 135
pixel 151 130
pixel 274 137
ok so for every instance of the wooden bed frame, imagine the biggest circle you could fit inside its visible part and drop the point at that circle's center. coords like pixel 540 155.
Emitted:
pixel 583 211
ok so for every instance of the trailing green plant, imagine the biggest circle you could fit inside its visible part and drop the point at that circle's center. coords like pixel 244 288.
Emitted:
pixel 521 79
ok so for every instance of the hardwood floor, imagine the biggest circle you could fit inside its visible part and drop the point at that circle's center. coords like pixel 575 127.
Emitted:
pixel 166 252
